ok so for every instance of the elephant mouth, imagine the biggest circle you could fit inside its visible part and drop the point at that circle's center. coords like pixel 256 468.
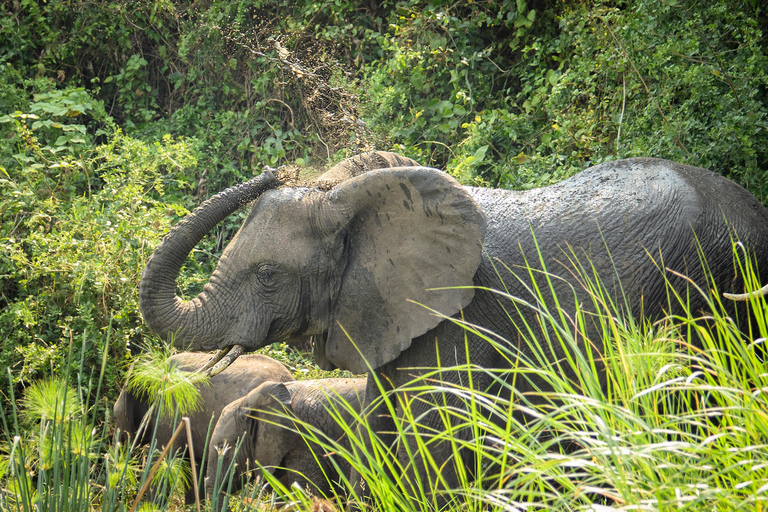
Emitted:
pixel 257 330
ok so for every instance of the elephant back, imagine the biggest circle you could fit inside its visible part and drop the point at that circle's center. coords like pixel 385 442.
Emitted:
pixel 625 221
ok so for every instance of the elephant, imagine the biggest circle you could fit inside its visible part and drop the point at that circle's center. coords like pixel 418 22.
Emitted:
pixel 263 422
pixel 387 266
pixel 235 382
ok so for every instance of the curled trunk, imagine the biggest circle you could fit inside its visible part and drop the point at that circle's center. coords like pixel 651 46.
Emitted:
pixel 190 323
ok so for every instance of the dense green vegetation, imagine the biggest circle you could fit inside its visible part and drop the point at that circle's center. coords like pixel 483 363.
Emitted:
pixel 117 118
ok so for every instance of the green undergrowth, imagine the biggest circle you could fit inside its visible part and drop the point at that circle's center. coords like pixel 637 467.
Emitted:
pixel 78 220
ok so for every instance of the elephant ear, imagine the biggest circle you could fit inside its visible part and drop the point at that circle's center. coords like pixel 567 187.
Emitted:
pixel 267 408
pixel 409 231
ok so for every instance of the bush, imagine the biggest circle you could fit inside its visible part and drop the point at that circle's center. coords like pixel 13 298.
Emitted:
pixel 79 221
pixel 516 95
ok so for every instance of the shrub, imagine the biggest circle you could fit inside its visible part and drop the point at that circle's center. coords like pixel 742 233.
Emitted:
pixel 516 94
pixel 79 221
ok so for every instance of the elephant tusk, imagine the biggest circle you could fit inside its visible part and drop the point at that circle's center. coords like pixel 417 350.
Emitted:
pixel 218 356
pixel 746 296
pixel 224 360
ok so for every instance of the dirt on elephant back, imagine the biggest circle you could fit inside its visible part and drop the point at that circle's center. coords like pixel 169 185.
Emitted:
pixel 292 176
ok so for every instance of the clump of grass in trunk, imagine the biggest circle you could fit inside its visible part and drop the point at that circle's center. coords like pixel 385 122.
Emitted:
pixel 168 387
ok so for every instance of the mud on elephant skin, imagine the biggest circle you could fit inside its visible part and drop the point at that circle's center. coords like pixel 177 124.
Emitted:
pixel 355 264
pixel 262 425
pixel 245 374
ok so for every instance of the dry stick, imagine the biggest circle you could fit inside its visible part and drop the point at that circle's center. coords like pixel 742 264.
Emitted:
pixel 184 422
pixel 656 103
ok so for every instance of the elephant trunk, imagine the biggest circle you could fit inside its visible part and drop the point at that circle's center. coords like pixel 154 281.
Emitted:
pixel 165 313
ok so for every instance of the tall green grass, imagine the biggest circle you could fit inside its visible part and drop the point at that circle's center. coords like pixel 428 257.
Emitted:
pixel 59 453
pixel 673 415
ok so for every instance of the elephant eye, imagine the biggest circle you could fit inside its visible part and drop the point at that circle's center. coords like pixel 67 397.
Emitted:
pixel 266 275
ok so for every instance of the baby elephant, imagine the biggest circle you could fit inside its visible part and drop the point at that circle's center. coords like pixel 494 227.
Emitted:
pixel 235 382
pixel 271 441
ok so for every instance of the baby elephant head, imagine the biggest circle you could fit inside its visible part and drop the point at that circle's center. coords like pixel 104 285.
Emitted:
pixel 262 431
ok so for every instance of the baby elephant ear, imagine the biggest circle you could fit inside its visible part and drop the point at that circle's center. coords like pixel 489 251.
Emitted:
pixel 267 407
pixel 409 231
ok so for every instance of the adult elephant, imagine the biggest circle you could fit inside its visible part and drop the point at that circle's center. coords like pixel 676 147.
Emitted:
pixel 244 375
pixel 363 265
pixel 262 425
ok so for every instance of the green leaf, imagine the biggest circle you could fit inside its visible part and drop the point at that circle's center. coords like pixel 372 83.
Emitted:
pixel 480 153
pixel 552 77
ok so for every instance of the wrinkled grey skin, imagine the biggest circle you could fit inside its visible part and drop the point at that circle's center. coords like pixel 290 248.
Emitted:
pixel 245 374
pixel 358 261
pixel 263 419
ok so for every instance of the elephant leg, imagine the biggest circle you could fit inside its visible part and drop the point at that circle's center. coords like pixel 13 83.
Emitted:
pixel 439 466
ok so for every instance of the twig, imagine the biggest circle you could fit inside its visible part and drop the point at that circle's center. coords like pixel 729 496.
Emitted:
pixel 186 422
pixel 283 104
pixel 623 104
pixel 327 149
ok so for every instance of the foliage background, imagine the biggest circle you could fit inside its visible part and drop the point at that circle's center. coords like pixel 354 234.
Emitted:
pixel 118 117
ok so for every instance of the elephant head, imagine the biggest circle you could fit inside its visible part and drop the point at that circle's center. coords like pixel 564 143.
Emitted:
pixel 258 430
pixel 260 419
pixel 355 262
